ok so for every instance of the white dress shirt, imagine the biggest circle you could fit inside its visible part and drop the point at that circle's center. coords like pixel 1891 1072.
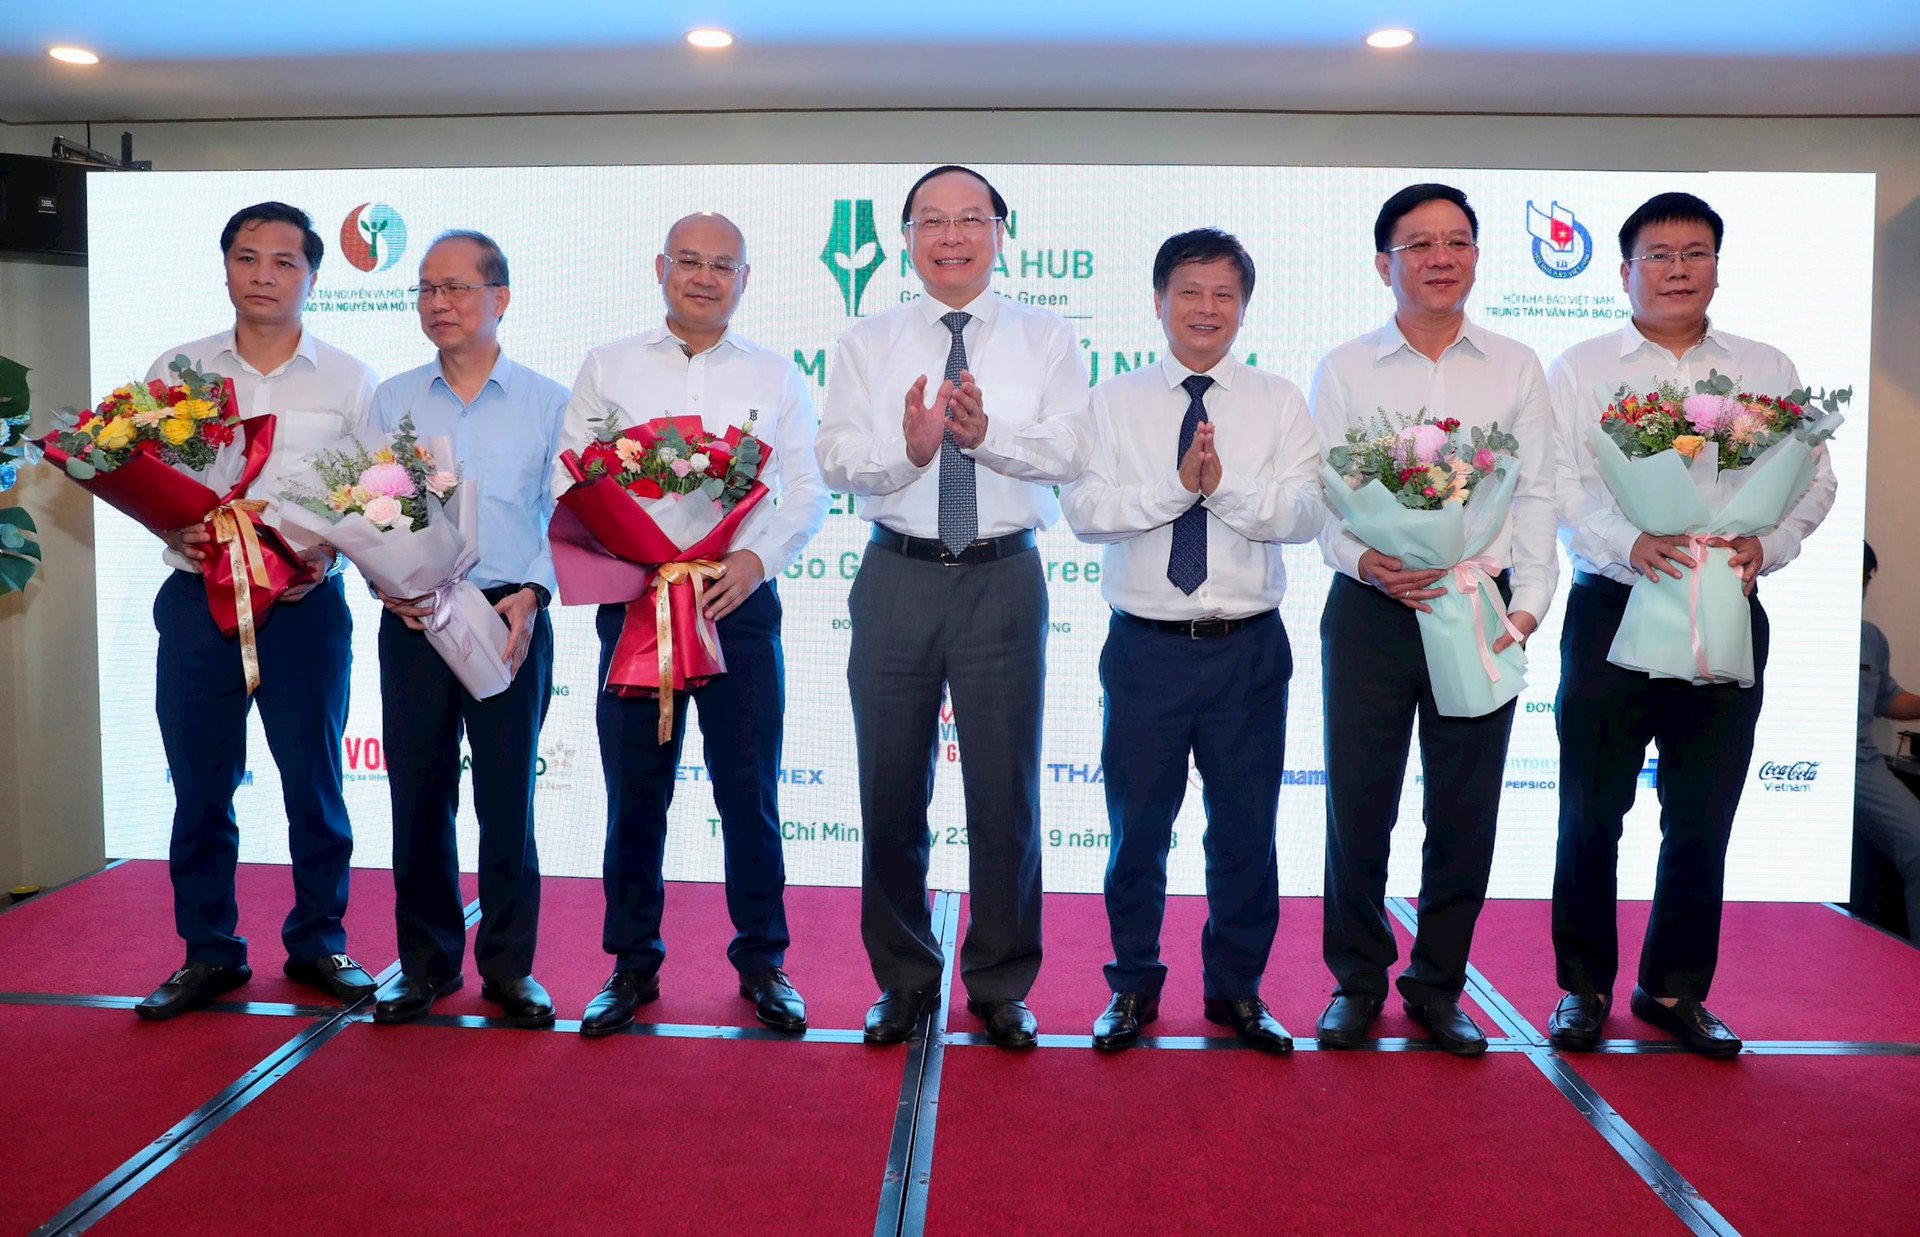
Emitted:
pixel 319 398
pixel 1033 389
pixel 1130 494
pixel 650 375
pixel 1480 378
pixel 1583 381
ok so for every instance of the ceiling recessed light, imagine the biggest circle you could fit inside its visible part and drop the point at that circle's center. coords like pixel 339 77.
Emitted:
pixel 1390 38
pixel 710 39
pixel 73 55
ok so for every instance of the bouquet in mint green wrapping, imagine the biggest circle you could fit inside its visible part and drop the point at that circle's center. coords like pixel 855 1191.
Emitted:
pixel 1710 465
pixel 1423 492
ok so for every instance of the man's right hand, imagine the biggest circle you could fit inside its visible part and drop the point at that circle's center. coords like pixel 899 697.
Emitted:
pixel 1412 589
pixel 1653 555
pixel 186 542
pixel 925 426
pixel 408 608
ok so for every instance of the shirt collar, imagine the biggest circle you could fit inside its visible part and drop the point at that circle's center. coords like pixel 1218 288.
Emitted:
pixel 984 309
pixel 1631 340
pixel 660 337
pixel 1390 339
pixel 1176 373
pixel 499 376
pixel 309 349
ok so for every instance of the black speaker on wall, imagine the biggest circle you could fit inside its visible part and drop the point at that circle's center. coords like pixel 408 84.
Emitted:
pixel 43 206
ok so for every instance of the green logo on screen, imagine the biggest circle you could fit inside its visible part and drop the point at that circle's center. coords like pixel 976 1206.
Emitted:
pixel 853 250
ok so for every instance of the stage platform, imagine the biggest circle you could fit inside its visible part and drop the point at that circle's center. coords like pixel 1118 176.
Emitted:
pixel 282 1112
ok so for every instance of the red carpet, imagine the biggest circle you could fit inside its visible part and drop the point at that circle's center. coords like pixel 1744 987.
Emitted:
pixel 1223 1142
pixel 1787 971
pixel 1072 990
pixel 87 1088
pixel 429 1129
pixel 697 984
pixel 1781 1144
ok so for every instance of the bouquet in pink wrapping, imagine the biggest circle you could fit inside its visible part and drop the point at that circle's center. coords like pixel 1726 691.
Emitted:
pixel 655 508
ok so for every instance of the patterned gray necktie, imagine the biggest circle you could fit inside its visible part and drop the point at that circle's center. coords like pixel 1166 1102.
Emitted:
pixel 959 510
pixel 1187 561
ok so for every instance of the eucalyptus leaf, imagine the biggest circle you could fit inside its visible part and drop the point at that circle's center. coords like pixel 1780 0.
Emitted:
pixel 80 470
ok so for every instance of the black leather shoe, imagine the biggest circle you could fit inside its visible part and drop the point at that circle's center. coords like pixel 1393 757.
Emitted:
pixel 896 1013
pixel 1576 1021
pixel 1119 1027
pixel 1452 1028
pixel 336 975
pixel 523 1002
pixel 775 1003
pixel 1349 1018
pixel 1689 1022
pixel 412 996
pixel 191 987
pixel 1010 1024
pixel 613 1008
pixel 1250 1020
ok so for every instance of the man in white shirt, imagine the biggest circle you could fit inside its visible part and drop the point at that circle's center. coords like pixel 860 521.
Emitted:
pixel 694 365
pixel 318 396
pixel 950 419
pixel 1428 358
pixel 1200 469
pixel 1670 250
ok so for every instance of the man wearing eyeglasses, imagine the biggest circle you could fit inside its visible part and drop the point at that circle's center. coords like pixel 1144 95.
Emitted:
pixel 951 419
pixel 695 365
pixel 1428 358
pixel 504 421
pixel 1607 715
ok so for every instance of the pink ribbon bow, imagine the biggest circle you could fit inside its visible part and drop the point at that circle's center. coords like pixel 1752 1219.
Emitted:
pixel 1468 576
pixel 1697 547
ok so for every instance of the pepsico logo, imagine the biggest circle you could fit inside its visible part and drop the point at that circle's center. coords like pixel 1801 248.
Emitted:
pixel 373 237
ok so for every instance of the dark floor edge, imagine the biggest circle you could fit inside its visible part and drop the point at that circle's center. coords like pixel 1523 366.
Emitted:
pixel 1662 1177
pixel 50 890
pixel 893 1187
pixel 919 1180
pixel 276 1009
pixel 644 1030
pixel 1889 933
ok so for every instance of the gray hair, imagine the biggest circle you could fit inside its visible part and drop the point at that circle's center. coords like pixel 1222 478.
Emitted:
pixel 493 263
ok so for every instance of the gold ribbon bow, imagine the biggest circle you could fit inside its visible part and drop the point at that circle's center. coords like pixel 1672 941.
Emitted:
pixel 695 572
pixel 248 566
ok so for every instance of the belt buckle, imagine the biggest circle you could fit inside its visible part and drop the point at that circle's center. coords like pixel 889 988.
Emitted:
pixel 946 557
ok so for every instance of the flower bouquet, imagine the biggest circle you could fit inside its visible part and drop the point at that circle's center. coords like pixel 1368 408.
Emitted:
pixel 1424 493
pixel 19 553
pixel 138 451
pixel 1709 464
pixel 401 515
pixel 655 507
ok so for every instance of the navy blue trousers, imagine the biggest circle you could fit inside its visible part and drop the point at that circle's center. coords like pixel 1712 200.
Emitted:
pixel 1224 701
pixel 306 649
pixel 424 709
pixel 741 717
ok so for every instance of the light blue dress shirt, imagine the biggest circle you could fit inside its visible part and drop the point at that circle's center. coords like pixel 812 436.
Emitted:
pixel 506 440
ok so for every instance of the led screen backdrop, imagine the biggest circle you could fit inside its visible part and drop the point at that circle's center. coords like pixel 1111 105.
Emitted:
pixel 825 248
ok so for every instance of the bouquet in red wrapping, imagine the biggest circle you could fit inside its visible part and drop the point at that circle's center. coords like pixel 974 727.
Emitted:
pixel 129 452
pixel 655 508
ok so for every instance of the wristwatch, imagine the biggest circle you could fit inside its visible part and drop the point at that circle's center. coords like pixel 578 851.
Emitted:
pixel 541 597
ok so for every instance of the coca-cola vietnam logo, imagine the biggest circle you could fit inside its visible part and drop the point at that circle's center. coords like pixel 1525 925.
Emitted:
pixel 1793 777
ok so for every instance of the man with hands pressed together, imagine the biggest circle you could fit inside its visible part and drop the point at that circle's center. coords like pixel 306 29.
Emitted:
pixel 504 421
pixel 950 419
pixel 1200 469
pixel 695 364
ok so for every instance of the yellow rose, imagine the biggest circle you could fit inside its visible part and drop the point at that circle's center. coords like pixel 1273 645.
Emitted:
pixel 176 430
pixel 1689 445
pixel 116 434
pixel 195 409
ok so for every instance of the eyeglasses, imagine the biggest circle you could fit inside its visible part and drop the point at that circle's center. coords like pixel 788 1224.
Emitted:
pixel 425 292
pixel 1420 249
pixel 723 268
pixel 971 225
pixel 1691 257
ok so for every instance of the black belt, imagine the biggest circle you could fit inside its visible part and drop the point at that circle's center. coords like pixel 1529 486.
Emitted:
pixel 1607 585
pixel 930 549
pixel 1199 629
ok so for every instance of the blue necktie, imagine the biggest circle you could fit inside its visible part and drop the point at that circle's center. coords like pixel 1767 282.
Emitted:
pixel 1187 563
pixel 959 507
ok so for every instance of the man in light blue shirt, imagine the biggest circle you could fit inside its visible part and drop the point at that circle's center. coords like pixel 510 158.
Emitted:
pixel 1886 815
pixel 504 421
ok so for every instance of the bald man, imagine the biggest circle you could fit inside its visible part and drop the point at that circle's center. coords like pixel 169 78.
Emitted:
pixel 694 365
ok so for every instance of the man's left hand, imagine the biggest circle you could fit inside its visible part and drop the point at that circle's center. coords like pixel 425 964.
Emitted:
pixel 1748 557
pixel 319 561
pixel 519 609
pixel 967 413
pixel 1522 620
pixel 1209 459
pixel 743 573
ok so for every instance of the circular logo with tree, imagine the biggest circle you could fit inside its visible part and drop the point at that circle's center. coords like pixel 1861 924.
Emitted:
pixel 373 237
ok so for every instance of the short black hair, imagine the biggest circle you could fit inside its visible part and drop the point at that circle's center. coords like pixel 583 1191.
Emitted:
pixel 275 212
pixel 906 208
pixel 1410 199
pixel 1201 245
pixel 1873 560
pixel 1669 208
pixel 493 263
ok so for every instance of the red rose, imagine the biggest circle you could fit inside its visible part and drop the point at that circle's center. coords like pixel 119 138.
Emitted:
pixel 1450 424
pixel 147 446
pixel 176 396
pixel 645 487
pixel 217 433
pixel 159 390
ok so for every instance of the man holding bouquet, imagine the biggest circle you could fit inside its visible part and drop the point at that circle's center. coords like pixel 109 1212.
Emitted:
pixel 1670 251
pixel 1428 360
pixel 951 419
pixel 504 422
pixel 318 396
pixel 1200 469
pixel 694 365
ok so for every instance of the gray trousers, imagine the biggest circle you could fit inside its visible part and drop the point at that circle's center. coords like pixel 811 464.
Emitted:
pixel 1886 815
pixel 980 630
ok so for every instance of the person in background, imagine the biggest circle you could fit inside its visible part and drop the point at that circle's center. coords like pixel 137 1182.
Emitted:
pixel 1886 815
